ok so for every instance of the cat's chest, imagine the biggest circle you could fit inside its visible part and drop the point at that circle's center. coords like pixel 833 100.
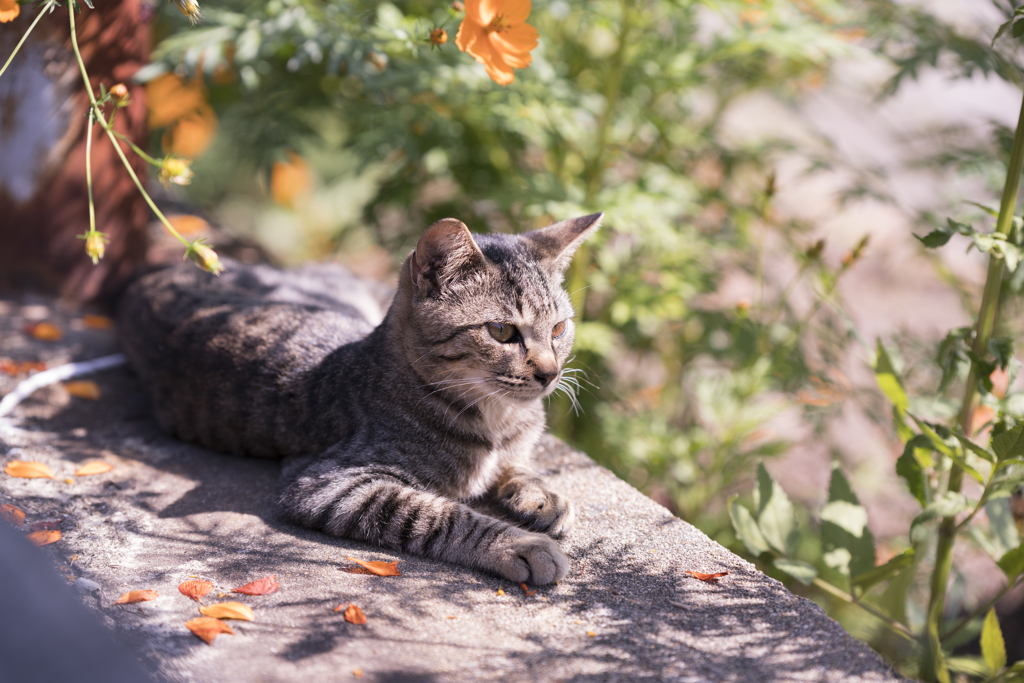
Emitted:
pixel 513 431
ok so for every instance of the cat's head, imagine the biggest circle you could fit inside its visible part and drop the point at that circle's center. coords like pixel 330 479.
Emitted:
pixel 487 314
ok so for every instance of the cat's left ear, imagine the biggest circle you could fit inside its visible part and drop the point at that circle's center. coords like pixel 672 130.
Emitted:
pixel 556 243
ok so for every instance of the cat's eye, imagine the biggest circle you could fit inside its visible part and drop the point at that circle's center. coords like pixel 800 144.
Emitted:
pixel 503 332
pixel 559 329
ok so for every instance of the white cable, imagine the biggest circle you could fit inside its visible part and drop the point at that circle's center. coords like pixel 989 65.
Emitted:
pixel 57 374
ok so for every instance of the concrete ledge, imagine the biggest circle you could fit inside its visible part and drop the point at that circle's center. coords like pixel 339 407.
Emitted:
pixel 169 511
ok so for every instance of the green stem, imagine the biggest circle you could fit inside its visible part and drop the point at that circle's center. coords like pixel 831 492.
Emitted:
pixel 88 171
pixel 878 614
pixel 935 667
pixel 137 149
pixel 21 42
pixel 113 140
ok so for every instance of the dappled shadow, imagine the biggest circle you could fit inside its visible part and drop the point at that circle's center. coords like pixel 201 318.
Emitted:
pixel 173 510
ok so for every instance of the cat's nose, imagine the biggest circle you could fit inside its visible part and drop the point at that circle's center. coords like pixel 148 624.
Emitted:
pixel 545 376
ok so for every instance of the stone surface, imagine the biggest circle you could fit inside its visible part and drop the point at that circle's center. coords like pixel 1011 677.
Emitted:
pixel 170 511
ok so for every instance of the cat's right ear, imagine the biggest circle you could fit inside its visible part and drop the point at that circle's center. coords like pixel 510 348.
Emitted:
pixel 444 251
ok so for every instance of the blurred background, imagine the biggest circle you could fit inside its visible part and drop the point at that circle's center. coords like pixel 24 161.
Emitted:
pixel 763 166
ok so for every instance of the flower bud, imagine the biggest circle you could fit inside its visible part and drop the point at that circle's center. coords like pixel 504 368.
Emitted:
pixel 190 8
pixel 438 36
pixel 95 245
pixel 120 94
pixel 458 6
pixel 176 170
pixel 205 258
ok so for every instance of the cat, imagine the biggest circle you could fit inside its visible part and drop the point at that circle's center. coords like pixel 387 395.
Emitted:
pixel 388 423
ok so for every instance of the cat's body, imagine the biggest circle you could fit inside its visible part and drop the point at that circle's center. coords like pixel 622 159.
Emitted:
pixel 386 429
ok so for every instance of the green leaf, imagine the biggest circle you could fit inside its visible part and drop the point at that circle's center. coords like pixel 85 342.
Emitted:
pixel 1012 563
pixel 972 666
pixel 844 526
pixel 993 649
pixel 982 453
pixel 775 513
pixel 888 380
pixel 801 571
pixel 1009 444
pixel 935 239
pixel 951 503
pixel 937 442
pixel 876 575
pixel 1002 526
pixel 746 528
pixel 909 467
pixel 894 598
pixel 1002 29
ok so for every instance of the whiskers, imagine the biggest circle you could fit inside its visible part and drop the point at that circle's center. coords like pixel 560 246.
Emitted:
pixel 570 385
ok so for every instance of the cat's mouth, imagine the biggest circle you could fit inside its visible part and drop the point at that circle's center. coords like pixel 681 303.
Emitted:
pixel 528 388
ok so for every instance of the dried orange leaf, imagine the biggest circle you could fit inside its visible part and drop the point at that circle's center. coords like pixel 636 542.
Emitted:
pixel 228 610
pixel 136 596
pixel 354 615
pixel 45 331
pixel 41 538
pixel 94 468
pixel 97 322
pixel 13 368
pixel 378 567
pixel 46 526
pixel 501 591
pixel 195 589
pixel 12 514
pixel 264 586
pixel 526 590
pixel 84 389
pixel 358 673
pixel 28 470
pixel 591 634
pixel 707 577
pixel 208 628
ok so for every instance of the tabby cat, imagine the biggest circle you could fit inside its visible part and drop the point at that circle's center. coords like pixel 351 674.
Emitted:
pixel 387 428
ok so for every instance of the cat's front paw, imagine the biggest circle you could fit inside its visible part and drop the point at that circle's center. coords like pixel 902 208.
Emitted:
pixel 529 557
pixel 540 508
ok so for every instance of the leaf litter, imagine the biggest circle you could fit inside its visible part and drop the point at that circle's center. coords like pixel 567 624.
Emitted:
pixel 195 589
pixel 96 467
pixel 41 538
pixel 228 610
pixel 12 514
pixel 208 628
pixel 137 596
pixel 84 388
pixel 264 586
pixel 377 567
pixel 28 470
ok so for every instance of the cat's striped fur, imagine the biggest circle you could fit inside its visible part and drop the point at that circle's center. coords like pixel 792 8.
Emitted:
pixel 387 430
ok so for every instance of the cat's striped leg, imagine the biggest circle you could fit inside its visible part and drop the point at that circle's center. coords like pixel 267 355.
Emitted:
pixel 530 501
pixel 382 506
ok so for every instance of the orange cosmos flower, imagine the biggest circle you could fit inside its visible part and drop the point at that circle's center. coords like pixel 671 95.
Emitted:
pixel 9 10
pixel 495 32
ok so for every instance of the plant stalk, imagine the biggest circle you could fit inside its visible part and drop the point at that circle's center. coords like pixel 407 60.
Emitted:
pixel 42 11
pixel 935 667
pixel 88 171
pixel 117 147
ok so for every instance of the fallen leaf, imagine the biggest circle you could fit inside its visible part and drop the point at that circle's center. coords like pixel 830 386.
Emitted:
pixel 378 567
pixel 208 628
pixel 13 368
pixel 44 331
pixel 41 538
pixel 591 634
pixel 501 592
pixel 94 468
pixel 69 481
pixel 28 470
pixel 358 673
pixel 84 389
pixel 187 224
pixel 264 586
pixel 12 514
pixel 195 589
pixel 354 615
pixel 451 617
pixel 97 322
pixel 137 596
pixel 46 526
pixel 526 590
pixel 706 577
pixel 228 610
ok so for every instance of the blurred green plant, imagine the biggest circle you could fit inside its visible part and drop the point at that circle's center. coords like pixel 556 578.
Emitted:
pixel 936 457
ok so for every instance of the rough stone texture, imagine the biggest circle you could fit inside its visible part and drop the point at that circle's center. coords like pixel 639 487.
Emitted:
pixel 169 511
